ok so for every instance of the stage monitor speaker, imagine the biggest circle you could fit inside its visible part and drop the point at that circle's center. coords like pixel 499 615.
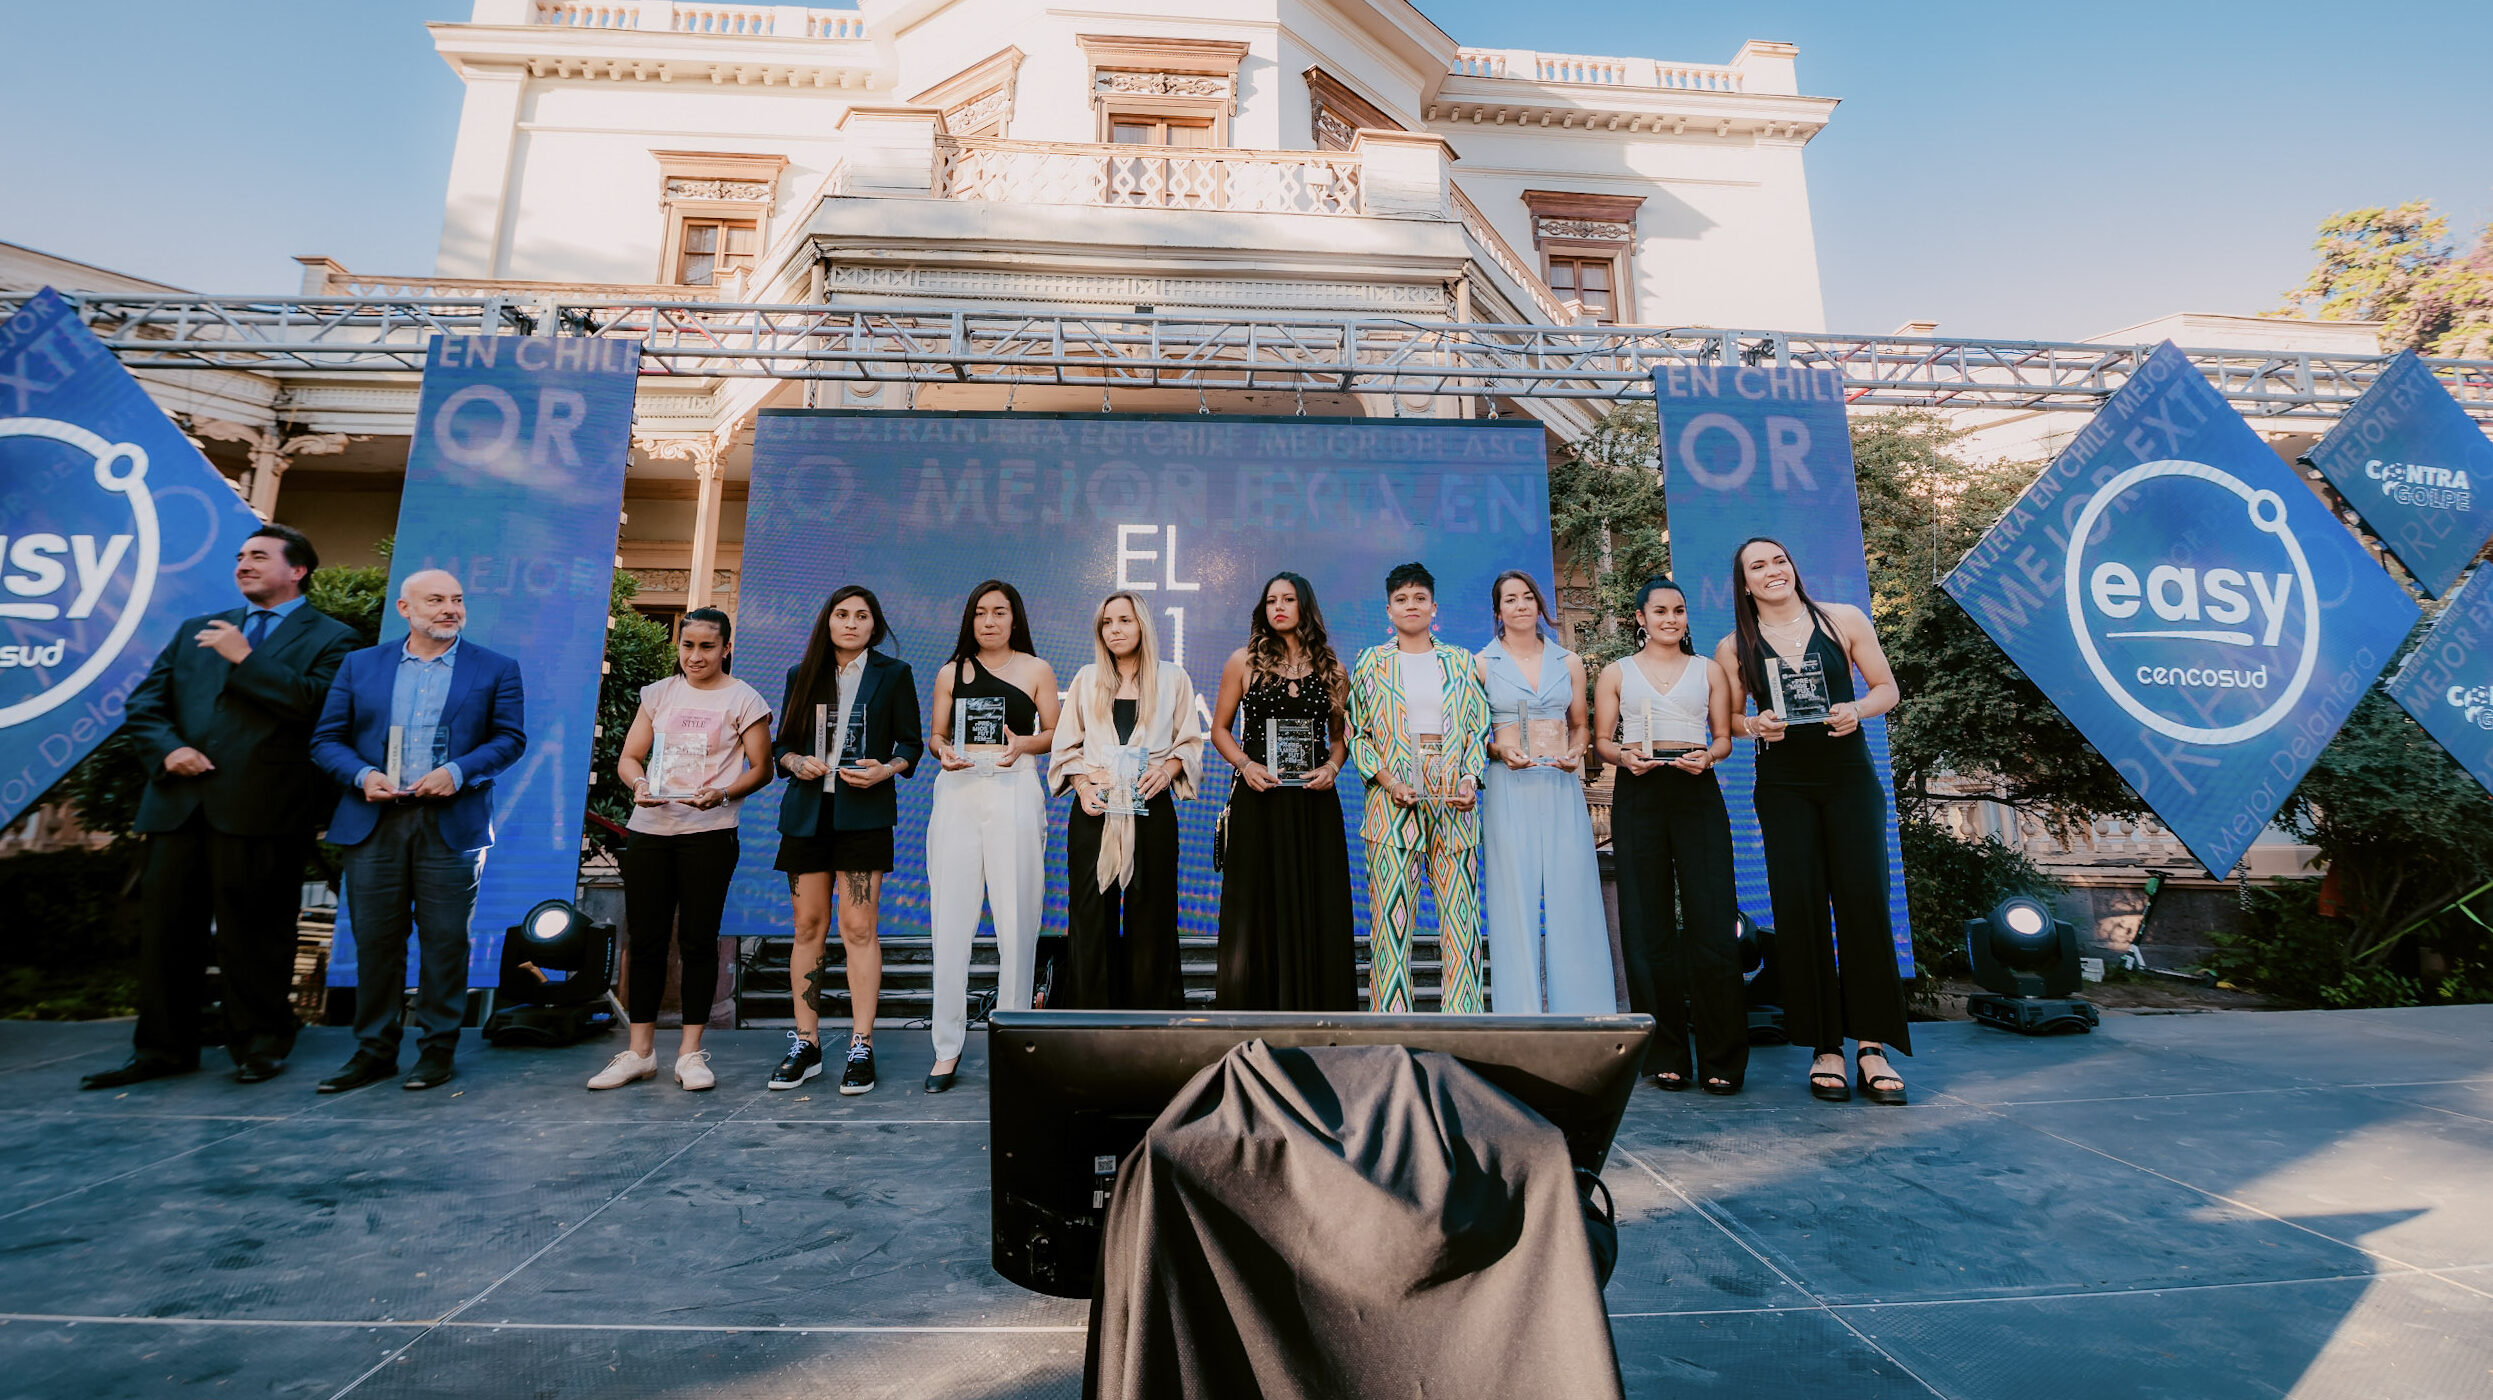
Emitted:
pixel 1072 1092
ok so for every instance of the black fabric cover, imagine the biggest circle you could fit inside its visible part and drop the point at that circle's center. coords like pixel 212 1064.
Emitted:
pixel 1347 1221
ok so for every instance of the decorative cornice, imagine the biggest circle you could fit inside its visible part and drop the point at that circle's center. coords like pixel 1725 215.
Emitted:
pixel 1135 289
pixel 1220 56
pixel 1594 230
pixel 747 190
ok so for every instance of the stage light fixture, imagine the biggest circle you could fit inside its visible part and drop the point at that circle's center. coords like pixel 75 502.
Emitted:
pixel 2029 962
pixel 1761 982
pixel 535 1008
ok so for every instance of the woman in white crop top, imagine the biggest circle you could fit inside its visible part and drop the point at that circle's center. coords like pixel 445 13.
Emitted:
pixel 1663 715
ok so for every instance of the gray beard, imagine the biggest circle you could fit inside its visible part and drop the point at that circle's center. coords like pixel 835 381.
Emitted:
pixel 440 634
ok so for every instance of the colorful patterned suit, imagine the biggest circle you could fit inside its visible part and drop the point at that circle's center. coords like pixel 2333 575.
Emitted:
pixel 1402 840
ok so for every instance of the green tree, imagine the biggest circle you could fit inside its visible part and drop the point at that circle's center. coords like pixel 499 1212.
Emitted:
pixel 2397 265
pixel 637 654
pixel 1607 518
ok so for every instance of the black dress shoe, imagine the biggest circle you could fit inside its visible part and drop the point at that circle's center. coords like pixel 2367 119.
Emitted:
pixel 138 1070
pixel 431 1072
pixel 258 1069
pixel 357 1072
pixel 940 1083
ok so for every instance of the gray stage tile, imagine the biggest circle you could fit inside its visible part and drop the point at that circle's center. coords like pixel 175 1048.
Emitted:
pixel 307 1219
pixel 43 1155
pixel 2333 1047
pixel 1673 1259
pixel 29 1046
pixel 2362 1165
pixel 1804 1353
pixel 118 1361
pixel 2400 1337
pixel 460 1363
pixel 791 1224
pixel 1862 1203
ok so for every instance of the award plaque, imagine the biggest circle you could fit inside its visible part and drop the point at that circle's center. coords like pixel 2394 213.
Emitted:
pixel 1545 740
pixel 1798 692
pixel 1294 748
pixel 1126 763
pixel 979 730
pixel 676 763
pixel 1433 774
pixel 394 766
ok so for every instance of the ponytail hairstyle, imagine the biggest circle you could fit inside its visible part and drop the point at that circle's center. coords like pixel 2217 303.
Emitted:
pixel 726 636
pixel 1751 642
pixel 1542 624
pixel 1663 583
pixel 815 672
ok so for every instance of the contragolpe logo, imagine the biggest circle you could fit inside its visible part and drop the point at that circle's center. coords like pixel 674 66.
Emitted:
pixel 55 577
pixel 2414 484
pixel 2196 651
pixel 2473 701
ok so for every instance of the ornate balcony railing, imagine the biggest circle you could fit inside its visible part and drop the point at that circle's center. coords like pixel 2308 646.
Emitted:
pixel 1508 260
pixel 1597 70
pixel 681 17
pixel 1150 177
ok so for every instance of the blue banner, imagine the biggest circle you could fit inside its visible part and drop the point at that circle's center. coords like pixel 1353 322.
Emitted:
pixel 112 530
pixel 1194 513
pixel 2447 681
pixel 1754 451
pixel 515 484
pixel 2190 605
pixel 2417 469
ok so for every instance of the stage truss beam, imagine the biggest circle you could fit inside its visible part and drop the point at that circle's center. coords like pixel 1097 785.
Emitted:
pixel 326 336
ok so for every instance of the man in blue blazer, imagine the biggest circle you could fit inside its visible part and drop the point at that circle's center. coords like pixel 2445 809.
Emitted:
pixel 417 731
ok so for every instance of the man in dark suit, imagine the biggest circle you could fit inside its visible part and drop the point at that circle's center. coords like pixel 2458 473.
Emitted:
pixel 416 731
pixel 222 722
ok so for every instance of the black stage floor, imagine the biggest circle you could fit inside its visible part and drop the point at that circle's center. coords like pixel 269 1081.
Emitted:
pixel 2199 1206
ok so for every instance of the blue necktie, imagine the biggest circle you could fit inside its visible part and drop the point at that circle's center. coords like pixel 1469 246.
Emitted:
pixel 255 627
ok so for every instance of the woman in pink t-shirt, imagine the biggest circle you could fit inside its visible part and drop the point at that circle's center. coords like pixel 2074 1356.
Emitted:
pixel 700 742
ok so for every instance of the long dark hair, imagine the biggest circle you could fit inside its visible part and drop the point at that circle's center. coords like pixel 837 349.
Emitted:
pixel 726 637
pixel 1752 642
pixel 1267 652
pixel 1659 583
pixel 815 673
pixel 1540 605
pixel 966 645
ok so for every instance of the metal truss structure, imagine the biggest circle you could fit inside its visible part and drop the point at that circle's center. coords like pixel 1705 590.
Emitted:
pixel 327 336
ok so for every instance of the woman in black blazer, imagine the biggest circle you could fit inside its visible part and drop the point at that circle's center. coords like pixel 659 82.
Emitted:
pixel 848 727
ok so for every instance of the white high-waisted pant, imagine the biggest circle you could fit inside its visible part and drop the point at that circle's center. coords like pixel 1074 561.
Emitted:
pixel 986 841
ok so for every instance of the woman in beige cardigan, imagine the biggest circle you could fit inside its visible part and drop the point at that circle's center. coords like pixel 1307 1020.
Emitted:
pixel 1131 733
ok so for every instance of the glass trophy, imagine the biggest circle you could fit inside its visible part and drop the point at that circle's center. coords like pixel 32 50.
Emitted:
pixel 1642 741
pixel 822 740
pixel 676 763
pixel 1124 795
pixel 1294 748
pixel 1798 692
pixel 1433 774
pixel 1545 741
pixel 394 765
pixel 980 733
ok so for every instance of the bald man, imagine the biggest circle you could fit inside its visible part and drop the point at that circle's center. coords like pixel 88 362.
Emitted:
pixel 416 731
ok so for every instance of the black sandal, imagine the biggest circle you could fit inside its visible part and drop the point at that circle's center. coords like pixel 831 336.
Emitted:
pixel 1828 1084
pixel 1869 1084
pixel 1724 1088
pixel 1676 1083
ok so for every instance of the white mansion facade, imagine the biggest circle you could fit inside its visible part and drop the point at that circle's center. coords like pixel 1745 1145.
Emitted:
pixel 1336 158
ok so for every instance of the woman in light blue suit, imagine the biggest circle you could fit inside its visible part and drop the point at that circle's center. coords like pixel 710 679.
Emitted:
pixel 1549 940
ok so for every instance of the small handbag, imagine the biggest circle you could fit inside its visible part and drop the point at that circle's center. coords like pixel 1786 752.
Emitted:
pixel 1220 830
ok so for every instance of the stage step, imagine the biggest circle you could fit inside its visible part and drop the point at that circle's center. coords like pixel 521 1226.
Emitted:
pixel 763 999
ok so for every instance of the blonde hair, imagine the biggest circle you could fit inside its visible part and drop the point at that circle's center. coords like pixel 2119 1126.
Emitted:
pixel 1098 705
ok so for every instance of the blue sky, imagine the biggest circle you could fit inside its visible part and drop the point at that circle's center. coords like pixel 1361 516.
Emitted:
pixel 2007 168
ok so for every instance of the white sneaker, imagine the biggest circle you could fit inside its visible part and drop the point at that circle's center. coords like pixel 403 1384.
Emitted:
pixel 624 1069
pixel 693 1070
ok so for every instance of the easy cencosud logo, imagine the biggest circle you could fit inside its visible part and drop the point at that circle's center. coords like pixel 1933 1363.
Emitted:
pixel 2189 604
pixel 63 578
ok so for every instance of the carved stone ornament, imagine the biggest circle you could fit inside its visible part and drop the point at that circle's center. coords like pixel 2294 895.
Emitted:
pixel 980 112
pixel 1165 84
pixel 747 190
pixel 1332 133
pixel 1598 229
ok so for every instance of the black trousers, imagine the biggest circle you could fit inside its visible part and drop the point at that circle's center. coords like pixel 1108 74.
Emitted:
pixel 252 887
pixel 1826 851
pixel 403 876
pixel 1121 942
pixel 679 883
pixel 1671 835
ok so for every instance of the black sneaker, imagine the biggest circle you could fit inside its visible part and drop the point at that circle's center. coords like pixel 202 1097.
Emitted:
pixel 804 1062
pixel 859 1076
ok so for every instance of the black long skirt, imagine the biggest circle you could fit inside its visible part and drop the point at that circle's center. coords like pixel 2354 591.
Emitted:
pixel 1285 904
